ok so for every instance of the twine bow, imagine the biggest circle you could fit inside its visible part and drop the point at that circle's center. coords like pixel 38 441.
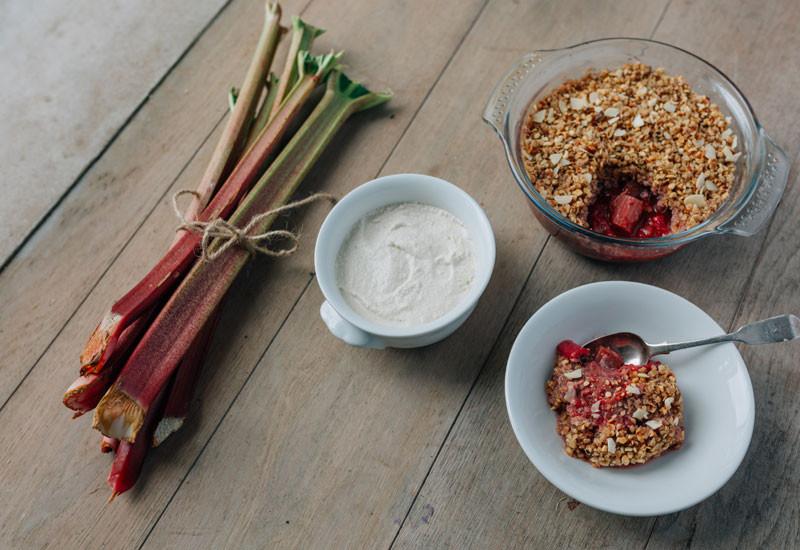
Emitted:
pixel 230 235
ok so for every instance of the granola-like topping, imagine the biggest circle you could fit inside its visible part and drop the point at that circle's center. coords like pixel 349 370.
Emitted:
pixel 636 121
pixel 614 414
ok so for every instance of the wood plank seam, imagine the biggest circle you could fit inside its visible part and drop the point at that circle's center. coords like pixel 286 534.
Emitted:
pixel 489 356
pixel 110 142
pixel 113 260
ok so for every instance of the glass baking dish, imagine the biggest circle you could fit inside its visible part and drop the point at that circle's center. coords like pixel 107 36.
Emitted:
pixel 761 170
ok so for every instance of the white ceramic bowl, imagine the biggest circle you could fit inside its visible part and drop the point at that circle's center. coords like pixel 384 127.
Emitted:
pixel 353 328
pixel 718 398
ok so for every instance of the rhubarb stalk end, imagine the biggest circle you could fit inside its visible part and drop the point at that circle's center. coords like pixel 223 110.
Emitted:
pixel 118 416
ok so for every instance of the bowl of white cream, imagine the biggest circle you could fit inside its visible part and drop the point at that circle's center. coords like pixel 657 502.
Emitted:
pixel 402 261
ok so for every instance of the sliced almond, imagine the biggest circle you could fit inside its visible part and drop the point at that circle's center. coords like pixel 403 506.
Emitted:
pixel 612 445
pixel 711 187
pixel 562 106
pixel 619 133
pixel 611 112
pixel 710 152
pixel 728 154
pixel 668 402
pixel 594 97
pixel 555 158
pixel 637 122
pixel 564 200
pixel 577 103
pixel 701 182
pixel 642 90
pixel 631 389
pixel 573 374
pixel 655 424
pixel 569 395
pixel 640 413
pixel 595 407
pixel 669 107
pixel 538 116
pixel 695 200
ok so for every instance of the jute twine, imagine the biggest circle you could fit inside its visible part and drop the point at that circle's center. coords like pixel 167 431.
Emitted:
pixel 230 235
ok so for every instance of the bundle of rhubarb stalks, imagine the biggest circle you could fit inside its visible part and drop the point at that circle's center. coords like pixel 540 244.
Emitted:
pixel 140 367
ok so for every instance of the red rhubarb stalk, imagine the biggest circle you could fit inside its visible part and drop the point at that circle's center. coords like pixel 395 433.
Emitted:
pixel 130 456
pixel 183 386
pixel 103 343
pixel 123 410
pixel 84 393
pixel 303 36
pixel 234 136
pixel 108 444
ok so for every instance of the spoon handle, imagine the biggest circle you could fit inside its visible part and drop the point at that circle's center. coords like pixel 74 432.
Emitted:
pixel 775 329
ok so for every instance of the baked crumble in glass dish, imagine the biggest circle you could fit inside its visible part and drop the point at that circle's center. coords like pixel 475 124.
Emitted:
pixel 759 168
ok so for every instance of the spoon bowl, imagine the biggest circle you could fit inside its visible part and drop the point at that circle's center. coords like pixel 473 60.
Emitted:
pixel 635 351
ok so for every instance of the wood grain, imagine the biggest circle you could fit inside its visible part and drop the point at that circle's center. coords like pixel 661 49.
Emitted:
pixel 298 440
pixel 481 467
pixel 70 82
pixel 53 273
pixel 341 438
pixel 759 506
pixel 68 468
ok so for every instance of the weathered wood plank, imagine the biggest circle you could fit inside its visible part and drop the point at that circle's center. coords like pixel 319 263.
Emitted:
pixel 331 443
pixel 481 467
pixel 68 468
pixel 52 274
pixel 759 506
pixel 73 74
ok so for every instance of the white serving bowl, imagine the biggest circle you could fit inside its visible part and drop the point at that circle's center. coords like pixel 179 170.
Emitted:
pixel 718 398
pixel 353 328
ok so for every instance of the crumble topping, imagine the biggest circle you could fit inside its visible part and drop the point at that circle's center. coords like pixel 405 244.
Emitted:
pixel 635 123
pixel 614 414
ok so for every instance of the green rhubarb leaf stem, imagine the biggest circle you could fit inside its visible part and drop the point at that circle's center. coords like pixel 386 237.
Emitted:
pixel 122 411
pixel 303 36
pixel 264 111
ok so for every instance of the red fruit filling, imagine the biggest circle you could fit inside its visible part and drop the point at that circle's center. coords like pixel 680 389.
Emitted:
pixel 625 208
pixel 571 350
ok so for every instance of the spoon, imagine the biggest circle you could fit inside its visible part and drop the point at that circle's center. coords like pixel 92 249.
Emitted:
pixel 635 351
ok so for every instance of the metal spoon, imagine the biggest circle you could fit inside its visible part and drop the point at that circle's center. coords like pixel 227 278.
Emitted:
pixel 635 351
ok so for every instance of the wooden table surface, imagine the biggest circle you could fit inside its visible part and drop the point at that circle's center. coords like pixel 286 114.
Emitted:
pixel 297 440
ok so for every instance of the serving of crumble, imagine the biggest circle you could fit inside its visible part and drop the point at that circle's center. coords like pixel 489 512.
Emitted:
pixel 610 413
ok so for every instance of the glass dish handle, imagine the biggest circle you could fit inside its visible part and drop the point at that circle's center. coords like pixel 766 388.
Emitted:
pixel 768 192
pixel 496 112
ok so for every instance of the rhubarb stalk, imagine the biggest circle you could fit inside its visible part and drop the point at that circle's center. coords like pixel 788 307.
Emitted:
pixel 123 410
pixel 266 108
pixel 130 456
pixel 103 343
pixel 303 36
pixel 234 135
pixel 182 389
pixel 108 444
pixel 84 393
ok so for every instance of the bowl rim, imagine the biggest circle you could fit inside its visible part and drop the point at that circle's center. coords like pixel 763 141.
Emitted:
pixel 674 239
pixel 326 276
pixel 600 505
